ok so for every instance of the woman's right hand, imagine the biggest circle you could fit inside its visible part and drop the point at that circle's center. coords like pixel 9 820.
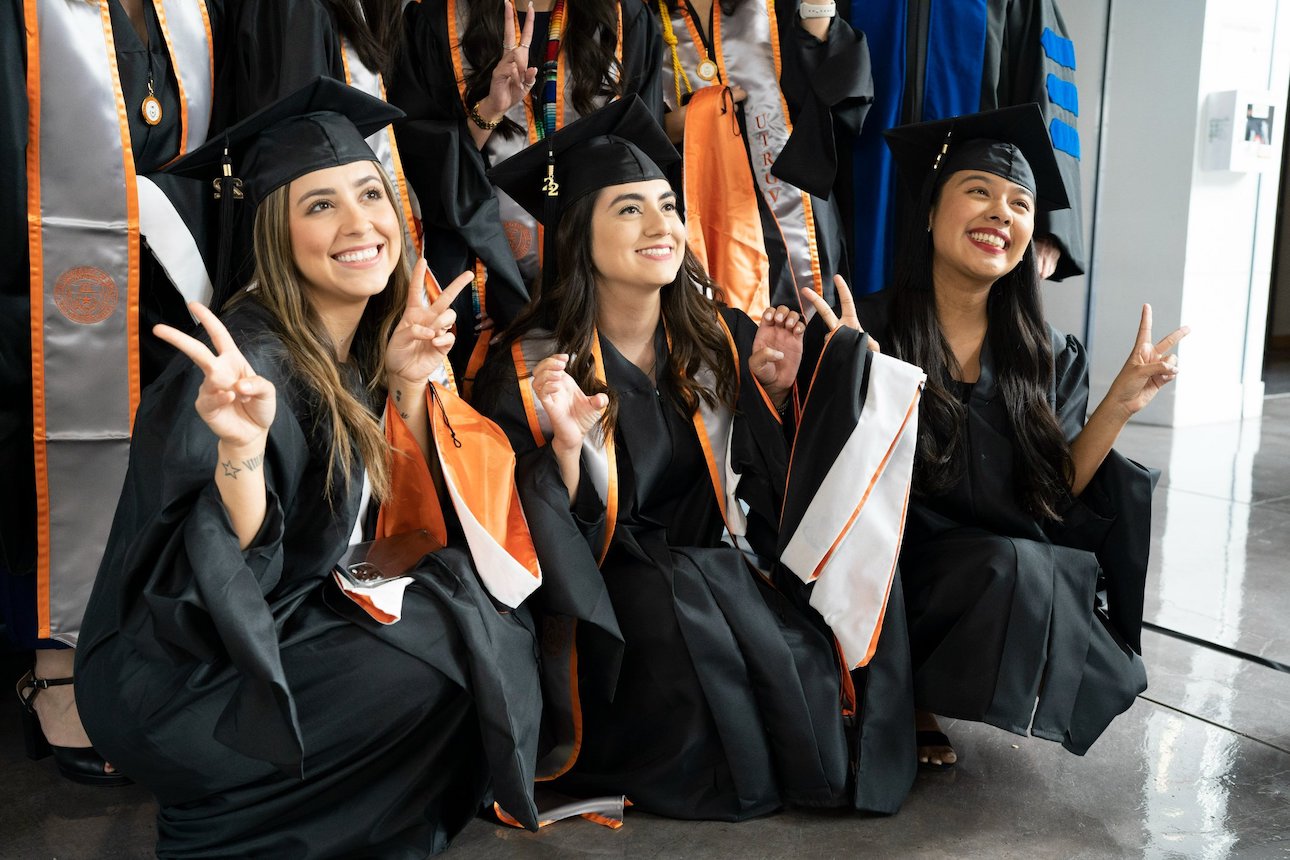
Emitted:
pixel 512 76
pixel 234 402
pixel 572 412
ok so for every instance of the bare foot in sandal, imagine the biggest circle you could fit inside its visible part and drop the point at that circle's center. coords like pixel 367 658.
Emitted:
pixel 934 750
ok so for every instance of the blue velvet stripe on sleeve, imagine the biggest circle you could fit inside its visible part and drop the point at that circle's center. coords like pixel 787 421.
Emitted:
pixel 1064 94
pixel 1058 48
pixel 1065 138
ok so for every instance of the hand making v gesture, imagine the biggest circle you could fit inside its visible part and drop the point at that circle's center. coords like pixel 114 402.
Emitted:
pixel 234 402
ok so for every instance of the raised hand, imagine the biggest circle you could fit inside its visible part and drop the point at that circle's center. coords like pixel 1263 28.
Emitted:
pixel 421 341
pixel 777 351
pixel 512 77
pixel 572 412
pixel 234 402
pixel 1149 368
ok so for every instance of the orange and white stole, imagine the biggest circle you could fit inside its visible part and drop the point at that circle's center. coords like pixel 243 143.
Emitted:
pixel 746 50
pixel 712 426
pixel 86 210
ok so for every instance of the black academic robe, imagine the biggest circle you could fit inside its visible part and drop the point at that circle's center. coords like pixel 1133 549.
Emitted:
pixel 1005 608
pixel 706 689
pixel 448 172
pixel 939 58
pixel 269 714
pixel 159 302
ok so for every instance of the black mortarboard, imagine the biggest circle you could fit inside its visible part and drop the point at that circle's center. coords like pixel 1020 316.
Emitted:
pixel 1010 142
pixel 621 142
pixel 323 124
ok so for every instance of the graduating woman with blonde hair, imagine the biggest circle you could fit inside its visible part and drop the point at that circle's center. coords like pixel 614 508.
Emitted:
pixel 281 693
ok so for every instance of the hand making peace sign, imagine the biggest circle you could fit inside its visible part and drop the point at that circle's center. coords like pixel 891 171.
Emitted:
pixel 512 76
pixel 234 402
pixel 421 341
pixel 1149 368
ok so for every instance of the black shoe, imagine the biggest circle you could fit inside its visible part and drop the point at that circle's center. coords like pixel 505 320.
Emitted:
pixel 79 764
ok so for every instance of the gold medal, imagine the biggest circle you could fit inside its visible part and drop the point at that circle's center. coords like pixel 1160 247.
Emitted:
pixel 707 70
pixel 151 107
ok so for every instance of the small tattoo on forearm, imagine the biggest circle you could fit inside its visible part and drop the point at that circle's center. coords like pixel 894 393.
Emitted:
pixel 230 471
pixel 253 463
pixel 398 396
pixel 403 415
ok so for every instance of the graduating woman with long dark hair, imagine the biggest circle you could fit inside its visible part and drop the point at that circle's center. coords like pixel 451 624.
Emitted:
pixel 1026 550
pixel 688 665
pixel 278 700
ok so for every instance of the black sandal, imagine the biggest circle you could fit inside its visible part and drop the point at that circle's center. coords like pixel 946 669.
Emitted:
pixel 933 738
pixel 79 764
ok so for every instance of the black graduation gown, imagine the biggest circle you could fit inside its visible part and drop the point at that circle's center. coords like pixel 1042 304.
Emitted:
pixel 448 172
pixel 706 692
pixel 267 712
pixel 1005 609
pixel 159 302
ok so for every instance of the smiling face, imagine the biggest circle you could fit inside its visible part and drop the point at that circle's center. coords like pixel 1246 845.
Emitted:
pixel 637 236
pixel 345 234
pixel 981 226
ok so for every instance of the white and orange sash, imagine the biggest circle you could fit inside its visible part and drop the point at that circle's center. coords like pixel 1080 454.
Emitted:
pixel 746 51
pixel 478 467
pixel 360 77
pixel 86 210
pixel 848 541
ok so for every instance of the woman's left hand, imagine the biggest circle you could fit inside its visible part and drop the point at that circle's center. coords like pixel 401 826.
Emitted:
pixel 421 341
pixel 777 352
pixel 1149 368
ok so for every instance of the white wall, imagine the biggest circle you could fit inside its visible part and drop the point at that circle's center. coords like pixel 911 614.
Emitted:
pixel 1196 244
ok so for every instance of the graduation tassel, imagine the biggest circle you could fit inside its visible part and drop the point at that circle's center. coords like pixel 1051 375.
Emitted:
pixel 228 188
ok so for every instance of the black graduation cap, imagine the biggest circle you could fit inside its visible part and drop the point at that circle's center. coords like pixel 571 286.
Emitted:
pixel 621 142
pixel 322 124
pixel 1010 142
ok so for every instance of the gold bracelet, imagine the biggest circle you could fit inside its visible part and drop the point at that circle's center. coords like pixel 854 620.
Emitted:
pixel 481 122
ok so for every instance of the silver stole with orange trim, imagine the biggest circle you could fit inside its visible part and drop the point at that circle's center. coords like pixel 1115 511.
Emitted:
pixel 84 217
pixel 360 77
pixel 848 541
pixel 748 43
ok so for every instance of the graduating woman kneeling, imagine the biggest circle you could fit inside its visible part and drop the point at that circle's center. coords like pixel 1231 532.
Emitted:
pixel 272 710
pixel 1026 552
pixel 690 666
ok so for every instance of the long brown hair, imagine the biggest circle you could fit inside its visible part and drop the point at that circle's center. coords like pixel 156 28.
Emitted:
pixel 589 40
pixel 356 435
pixel 567 309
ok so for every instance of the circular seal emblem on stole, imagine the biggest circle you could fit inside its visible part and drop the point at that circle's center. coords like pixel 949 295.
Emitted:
pixel 85 295
pixel 519 237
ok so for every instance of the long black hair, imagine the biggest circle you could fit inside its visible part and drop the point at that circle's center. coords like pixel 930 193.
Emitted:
pixel 1023 365
pixel 567 309
pixel 374 28
pixel 589 40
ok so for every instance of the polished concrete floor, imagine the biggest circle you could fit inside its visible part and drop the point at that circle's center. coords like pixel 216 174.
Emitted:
pixel 1198 768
